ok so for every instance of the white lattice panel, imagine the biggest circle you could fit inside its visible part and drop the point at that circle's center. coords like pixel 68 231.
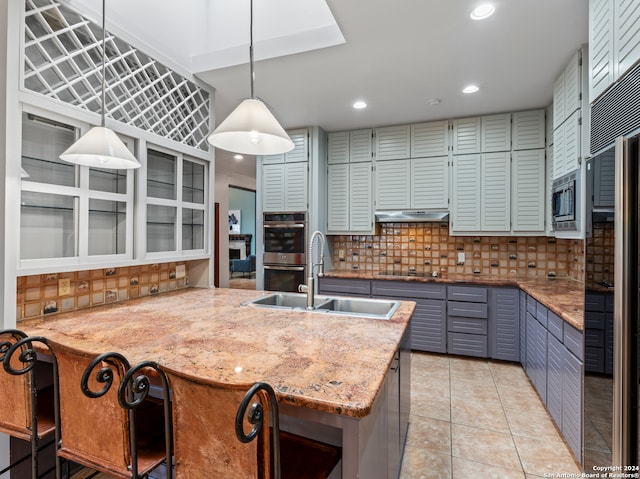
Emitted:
pixel 63 60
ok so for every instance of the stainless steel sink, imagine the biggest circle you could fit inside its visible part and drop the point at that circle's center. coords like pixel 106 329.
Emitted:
pixel 285 300
pixel 370 308
pixel 373 308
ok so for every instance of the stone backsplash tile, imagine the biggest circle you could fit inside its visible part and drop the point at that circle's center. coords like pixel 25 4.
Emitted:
pixel 428 248
pixel 39 294
pixel 601 253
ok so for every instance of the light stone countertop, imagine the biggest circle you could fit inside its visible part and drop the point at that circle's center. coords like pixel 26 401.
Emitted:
pixel 328 362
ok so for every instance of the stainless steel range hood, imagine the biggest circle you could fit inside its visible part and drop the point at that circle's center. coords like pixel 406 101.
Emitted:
pixel 411 216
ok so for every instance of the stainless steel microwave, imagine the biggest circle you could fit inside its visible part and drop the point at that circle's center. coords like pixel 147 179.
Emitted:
pixel 563 202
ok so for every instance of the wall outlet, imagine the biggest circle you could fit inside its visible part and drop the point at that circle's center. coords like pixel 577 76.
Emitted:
pixel 461 257
pixel 64 286
pixel 340 254
pixel 180 271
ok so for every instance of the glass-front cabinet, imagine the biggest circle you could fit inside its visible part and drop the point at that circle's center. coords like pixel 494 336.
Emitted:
pixel 176 194
pixel 75 215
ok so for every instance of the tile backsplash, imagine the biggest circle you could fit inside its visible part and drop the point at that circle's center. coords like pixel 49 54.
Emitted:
pixel 43 294
pixel 601 253
pixel 428 248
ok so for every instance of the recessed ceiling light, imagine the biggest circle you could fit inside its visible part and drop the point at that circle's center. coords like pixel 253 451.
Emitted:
pixel 470 89
pixel 359 105
pixel 238 157
pixel 482 11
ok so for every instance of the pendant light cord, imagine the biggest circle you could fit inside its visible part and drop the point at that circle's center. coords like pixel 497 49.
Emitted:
pixel 104 54
pixel 251 46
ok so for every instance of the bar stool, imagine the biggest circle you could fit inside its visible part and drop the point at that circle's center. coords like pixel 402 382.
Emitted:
pixel 26 407
pixel 224 430
pixel 106 429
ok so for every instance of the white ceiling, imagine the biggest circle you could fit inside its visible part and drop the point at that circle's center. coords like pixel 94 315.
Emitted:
pixel 394 55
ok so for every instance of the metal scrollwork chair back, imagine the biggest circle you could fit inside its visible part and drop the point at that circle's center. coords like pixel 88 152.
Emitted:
pixel 107 420
pixel 27 397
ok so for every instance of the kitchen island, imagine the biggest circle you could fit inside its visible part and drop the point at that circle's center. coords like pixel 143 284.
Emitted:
pixel 330 372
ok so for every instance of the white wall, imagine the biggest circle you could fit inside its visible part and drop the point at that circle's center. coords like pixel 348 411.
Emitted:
pixel 230 172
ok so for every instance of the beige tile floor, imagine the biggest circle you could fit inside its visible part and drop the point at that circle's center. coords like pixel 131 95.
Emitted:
pixel 480 419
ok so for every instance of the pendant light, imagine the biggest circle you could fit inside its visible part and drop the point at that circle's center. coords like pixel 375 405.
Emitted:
pixel 251 129
pixel 100 147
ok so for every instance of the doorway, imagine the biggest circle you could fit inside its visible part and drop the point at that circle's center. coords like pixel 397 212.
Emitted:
pixel 242 234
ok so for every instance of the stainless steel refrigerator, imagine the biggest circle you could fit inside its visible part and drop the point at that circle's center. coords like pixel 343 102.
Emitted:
pixel 612 288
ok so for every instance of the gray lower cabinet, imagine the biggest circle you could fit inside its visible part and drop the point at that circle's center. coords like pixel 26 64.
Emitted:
pixel 598 332
pixel 344 286
pixel 554 365
pixel 428 324
pixel 467 321
pixel 504 324
pixel 522 315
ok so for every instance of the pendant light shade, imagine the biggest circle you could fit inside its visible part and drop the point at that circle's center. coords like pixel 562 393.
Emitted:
pixel 251 129
pixel 100 147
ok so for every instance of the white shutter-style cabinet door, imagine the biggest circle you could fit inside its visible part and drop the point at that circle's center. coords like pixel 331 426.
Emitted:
pixel 273 187
pixel 627 40
pixel 558 101
pixel 571 155
pixel 393 142
pixel 338 147
pixel 466 135
pixel 558 152
pixel 300 148
pixel 527 209
pixel 296 187
pixel 601 68
pixel 392 184
pixel 465 211
pixel 273 159
pixel 528 130
pixel 430 139
pixel 430 182
pixel 361 197
pixel 496 133
pixel 360 148
pixel 572 85
pixel 549 191
pixel 338 197
pixel 495 214
pixel 604 184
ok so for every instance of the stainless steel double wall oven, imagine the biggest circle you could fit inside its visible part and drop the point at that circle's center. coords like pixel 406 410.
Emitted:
pixel 285 239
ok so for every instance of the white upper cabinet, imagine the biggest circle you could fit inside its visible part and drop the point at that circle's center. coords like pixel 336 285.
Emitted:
pixel 604 186
pixel 495 191
pixel 496 133
pixel 466 135
pixel 430 183
pixel 299 153
pixel 614 42
pixel 338 147
pixel 360 146
pixel 392 181
pixel 627 34
pixel 284 187
pixel 430 139
pixel 528 130
pixel 527 207
pixel 393 142
pixel 349 146
pixel 567 90
pixel 350 198
pixel 482 134
pixel 567 146
pixel 465 211
pixel 601 47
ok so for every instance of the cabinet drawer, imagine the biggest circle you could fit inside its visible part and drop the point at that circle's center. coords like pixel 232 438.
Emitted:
pixel 344 287
pixel 554 324
pixel 467 310
pixel 541 314
pixel 467 293
pixel 405 289
pixel 573 340
pixel 593 320
pixel 593 302
pixel 467 344
pixel 594 338
pixel 467 325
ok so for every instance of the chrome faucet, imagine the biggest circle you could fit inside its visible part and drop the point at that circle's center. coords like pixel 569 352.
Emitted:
pixel 309 288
